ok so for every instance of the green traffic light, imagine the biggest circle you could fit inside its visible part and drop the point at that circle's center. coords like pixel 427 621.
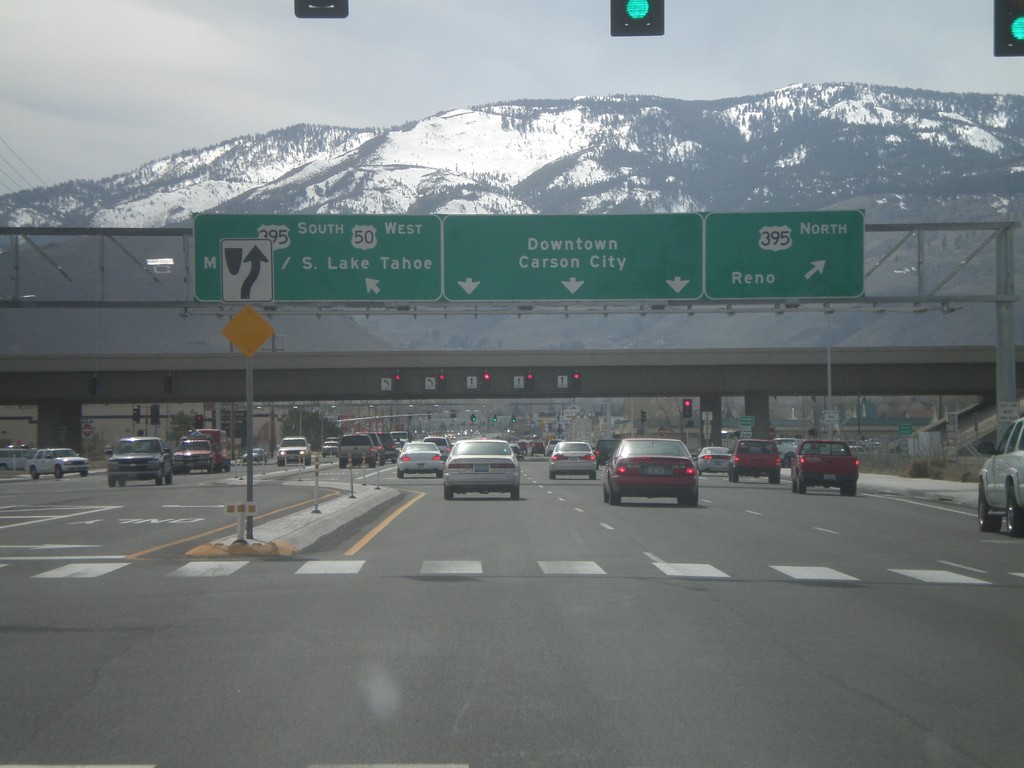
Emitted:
pixel 1017 28
pixel 638 9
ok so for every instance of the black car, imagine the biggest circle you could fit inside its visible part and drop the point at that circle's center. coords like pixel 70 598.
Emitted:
pixel 391 450
pixel 605 448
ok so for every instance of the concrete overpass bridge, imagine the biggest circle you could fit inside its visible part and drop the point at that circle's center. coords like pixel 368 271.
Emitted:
pixel 60 385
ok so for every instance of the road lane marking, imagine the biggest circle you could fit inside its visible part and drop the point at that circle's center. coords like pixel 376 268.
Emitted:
pixel 331 567
pixel 211 568
pixel 826 530
pixel 691 570
pixel 80 571
pixel 570 568
pixel 813 573
pixel 354 549
pixel 451 568
pixel 951 564
pixel 937 577
pixel 605 525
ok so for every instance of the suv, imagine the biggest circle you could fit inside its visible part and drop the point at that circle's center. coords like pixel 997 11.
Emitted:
pixel 755 458
pixel 330 447
pixel 1001 483
pixel 358 449
pixel 57 462
pixel 294 449
pixel 605 448
pixel 388 448
pixel 441 442
pixel 140 458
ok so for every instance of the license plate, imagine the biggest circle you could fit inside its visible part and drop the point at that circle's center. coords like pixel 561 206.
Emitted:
pixel 481 467
pixel 830 477
pixel 420 465
pixel 654 471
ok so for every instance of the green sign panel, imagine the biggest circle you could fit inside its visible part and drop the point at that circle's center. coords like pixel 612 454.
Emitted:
pixel 582 258
pixel 263 258
pixel 817 254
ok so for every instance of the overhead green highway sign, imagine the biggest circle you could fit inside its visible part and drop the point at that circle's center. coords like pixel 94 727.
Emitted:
pixel 816 254
pixel 263 258
pixel 582 258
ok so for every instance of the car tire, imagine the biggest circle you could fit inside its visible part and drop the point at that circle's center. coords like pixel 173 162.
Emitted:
pixel 551 475
pixel 615 499
pixel 733 477
pixel 449 494
pixel 1014 514
pixel 400 474
pixel 801 485
pixel 987 522
pixel 688 499
pixel 792 484
pixel 592 475
pixel 159 480
pixel 111 482
pixel 58 471
pixel 775 477
pixel 33 473
pixel 170 478
pixel 514 494
pixel 440 473
pixel 848 489
pixel 84 473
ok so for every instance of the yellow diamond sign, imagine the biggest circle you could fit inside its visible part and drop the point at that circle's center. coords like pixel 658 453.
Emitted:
pixel 248 331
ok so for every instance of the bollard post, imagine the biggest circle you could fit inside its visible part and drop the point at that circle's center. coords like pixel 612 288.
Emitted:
pixel 316 485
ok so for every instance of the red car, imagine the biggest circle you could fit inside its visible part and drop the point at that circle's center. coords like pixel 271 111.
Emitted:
pixel 651 468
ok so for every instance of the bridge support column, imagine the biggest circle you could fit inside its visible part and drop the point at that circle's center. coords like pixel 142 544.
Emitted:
pixel 60 424
pixel 755 403
pixel 710 404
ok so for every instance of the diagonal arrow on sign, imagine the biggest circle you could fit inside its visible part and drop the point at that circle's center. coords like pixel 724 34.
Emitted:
pixel 572 284
pixel 817 268
pixel 372 285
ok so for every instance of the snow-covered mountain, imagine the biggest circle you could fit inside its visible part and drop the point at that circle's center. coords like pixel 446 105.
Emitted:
pixel 902 155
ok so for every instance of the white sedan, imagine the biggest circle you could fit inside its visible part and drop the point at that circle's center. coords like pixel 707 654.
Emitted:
pixel 570 458
pixel 481 466
pixel 420 457
pixel 57 462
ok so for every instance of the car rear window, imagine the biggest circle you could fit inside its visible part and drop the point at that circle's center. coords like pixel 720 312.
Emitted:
pixel 653 448
pixel 490 448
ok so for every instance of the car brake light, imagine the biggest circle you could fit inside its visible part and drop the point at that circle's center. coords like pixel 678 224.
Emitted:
pixel 555 457
pixel 405 458
pixel 590 457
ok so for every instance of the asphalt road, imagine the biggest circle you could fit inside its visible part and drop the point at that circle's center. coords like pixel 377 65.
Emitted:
pixel 762 628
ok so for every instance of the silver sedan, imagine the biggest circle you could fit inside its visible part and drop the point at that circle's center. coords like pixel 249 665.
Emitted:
pixel 571 458
pixel 420 457
pixel 482 466
pixel 713 459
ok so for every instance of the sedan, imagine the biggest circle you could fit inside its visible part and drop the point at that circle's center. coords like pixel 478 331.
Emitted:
pixel 713 459
pixel 481 466
pixel 420 457
pixel 651 468
pixel 570 458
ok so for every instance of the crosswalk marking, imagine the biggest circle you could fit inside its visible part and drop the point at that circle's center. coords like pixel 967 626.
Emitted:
pixel 451 567
pixel 331 566
pixel 80 571
pixel 570 567
pixel 692 570
pixel 219 568
pixel 813 573
pixel 938 577
pixel 210 568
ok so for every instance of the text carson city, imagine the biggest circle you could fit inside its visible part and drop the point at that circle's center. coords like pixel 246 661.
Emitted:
pixel 600 260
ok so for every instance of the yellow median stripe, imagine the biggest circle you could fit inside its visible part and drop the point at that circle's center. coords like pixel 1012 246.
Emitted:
pixel 382 525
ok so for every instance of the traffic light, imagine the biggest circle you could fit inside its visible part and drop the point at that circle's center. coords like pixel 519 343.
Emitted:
pixel 396 380
pixel 513 418
pixel 529 379
pixel 575 380
pixel 687 408
pixel 632 18
pixel 199 421
pixel 442 382
pixel 137 414
pixel 494 417
pixel 643 417
pixel 321 9
pixel 487 379
pixel 154 414
pixel 1009 28
pixel 472 417
pixel 94 384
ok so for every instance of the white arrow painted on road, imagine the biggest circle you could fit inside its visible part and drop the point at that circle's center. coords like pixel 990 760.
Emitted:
pixel 677 283
pixel 372 285
pixel 469 285
pixel 817 268
pixel 572 284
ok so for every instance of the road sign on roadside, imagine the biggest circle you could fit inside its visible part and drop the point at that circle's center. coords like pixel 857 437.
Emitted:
pixel 815 254
pixel 563 258
pixel 263 258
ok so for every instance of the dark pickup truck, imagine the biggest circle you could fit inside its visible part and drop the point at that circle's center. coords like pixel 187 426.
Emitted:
pixel 827 464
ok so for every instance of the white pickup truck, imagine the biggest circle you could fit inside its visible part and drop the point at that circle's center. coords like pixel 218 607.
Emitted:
pixel 1001 483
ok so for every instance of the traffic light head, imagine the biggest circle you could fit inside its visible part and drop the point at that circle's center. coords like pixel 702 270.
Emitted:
pixel 1008 37
pixel 687 408
pixel 487 379
pixel 529 379
pixel 576 380
pixel 321 9
pixel 442 382
pixel 396 380
pixel 632 18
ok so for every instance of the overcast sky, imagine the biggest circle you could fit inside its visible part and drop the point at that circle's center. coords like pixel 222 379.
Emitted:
pixel 91 88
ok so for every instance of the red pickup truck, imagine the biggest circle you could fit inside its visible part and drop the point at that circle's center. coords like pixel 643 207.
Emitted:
pixel 825 463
